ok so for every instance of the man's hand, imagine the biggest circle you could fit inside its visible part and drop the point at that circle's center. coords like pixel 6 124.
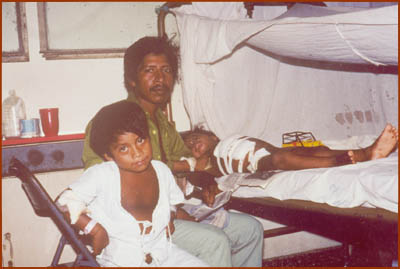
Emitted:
pixel 208 194
pixel 99 239
pixel 206 181
pixel 182 214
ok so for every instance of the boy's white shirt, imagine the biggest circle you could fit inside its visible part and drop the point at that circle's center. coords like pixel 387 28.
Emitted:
pixel 99 188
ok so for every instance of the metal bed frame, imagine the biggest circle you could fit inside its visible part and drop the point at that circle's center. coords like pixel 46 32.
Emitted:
pixel 372 232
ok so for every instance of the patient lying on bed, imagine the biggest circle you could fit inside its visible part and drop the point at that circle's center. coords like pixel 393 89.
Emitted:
pixel 246 154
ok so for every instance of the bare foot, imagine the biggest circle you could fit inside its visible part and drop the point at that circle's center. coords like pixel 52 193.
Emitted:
pixel 385 143
pixel 352 156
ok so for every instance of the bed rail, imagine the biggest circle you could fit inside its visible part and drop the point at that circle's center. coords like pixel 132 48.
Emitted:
pixel 165 9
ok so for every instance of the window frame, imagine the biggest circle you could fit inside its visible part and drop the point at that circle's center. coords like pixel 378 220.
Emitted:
pixel 56 54
pixel 22 55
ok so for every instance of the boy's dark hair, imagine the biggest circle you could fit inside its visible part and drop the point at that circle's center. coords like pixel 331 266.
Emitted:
pixel 135 54
pixel 114 120
pixel 196 130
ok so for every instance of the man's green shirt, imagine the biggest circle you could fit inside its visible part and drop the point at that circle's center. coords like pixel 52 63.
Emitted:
pixel 172 142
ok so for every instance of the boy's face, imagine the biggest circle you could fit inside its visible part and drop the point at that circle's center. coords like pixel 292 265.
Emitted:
pixel 131 152
pixel 200 144
pixel 155 80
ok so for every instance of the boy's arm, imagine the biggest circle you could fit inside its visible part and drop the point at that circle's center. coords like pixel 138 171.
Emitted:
pixel 190 164
pixel 89 157
pixel 177 150
pixel 96 232
pixel 73 210
pixel 75 200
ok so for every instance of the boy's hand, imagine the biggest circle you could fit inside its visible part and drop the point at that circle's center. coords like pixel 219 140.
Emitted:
pixel 208 194
pixel 99 239
pixel 171 228
pixel 171 224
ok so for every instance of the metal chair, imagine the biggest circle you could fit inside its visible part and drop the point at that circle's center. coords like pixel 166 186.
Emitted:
pixel 44 206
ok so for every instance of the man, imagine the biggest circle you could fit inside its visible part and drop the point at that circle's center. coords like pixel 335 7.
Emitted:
pixel 150 71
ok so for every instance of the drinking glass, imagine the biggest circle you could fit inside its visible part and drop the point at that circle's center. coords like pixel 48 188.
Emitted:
pixel 49 119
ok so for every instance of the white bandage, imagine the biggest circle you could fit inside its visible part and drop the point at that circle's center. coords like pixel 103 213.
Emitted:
pixel 89 227
pixel 172 208
pixel 189 188
pixel 254 158
pixel 75 206
pixel 191 161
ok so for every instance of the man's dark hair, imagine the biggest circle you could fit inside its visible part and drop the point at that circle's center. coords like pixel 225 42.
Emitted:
pixel 114 120
pixel 135 54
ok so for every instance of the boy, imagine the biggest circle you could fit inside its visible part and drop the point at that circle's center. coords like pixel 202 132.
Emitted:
pixel 129 196
pixel 245 154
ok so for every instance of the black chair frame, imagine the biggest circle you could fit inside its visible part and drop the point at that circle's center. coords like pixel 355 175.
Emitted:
pixel 44 206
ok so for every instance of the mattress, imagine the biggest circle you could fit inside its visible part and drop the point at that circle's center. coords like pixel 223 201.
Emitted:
pixel 369 184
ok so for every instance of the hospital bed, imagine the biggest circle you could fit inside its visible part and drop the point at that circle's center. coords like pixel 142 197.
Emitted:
pixel 356 205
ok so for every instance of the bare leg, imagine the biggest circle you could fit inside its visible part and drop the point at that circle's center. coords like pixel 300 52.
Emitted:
pixel 320 151
pixel 381 148
pixel 289 160
pixel 304 158
pixel 318 157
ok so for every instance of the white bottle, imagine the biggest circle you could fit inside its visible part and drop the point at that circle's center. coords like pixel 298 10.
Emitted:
pixel 13 110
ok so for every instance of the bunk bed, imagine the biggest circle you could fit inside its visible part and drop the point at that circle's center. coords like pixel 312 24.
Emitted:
pixel 332 39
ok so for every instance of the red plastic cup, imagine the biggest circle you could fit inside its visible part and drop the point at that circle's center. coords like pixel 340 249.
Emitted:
pixel 49 119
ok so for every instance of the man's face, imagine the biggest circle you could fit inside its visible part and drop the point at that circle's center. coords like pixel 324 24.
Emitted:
pixel 131 153
pixel 200 144
pixel 155 81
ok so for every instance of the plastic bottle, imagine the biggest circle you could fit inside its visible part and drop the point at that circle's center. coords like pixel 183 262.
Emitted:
pixel 13 110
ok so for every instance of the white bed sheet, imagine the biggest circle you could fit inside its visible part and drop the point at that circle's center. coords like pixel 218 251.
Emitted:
pixel 368 184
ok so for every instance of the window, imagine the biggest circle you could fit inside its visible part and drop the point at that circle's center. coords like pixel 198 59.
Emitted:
pixel 14 33
pixel 72 30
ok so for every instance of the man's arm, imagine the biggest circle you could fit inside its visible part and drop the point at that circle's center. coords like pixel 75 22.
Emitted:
pixel 89 157
pixel 208 185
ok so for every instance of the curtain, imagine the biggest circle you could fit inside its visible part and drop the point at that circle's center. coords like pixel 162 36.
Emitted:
pixel 231 85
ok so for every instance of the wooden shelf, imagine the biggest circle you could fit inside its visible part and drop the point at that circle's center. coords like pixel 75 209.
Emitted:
pixel 41 139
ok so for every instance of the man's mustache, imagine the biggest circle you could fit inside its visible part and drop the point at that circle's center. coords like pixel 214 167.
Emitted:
pixel 159 88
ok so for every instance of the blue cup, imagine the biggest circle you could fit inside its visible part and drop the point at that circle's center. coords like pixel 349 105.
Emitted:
pixel 30 128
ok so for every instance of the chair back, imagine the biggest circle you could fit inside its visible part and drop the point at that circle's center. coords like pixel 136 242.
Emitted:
pixel 44 206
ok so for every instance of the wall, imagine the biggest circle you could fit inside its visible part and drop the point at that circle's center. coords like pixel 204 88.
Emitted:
pixel 78 87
